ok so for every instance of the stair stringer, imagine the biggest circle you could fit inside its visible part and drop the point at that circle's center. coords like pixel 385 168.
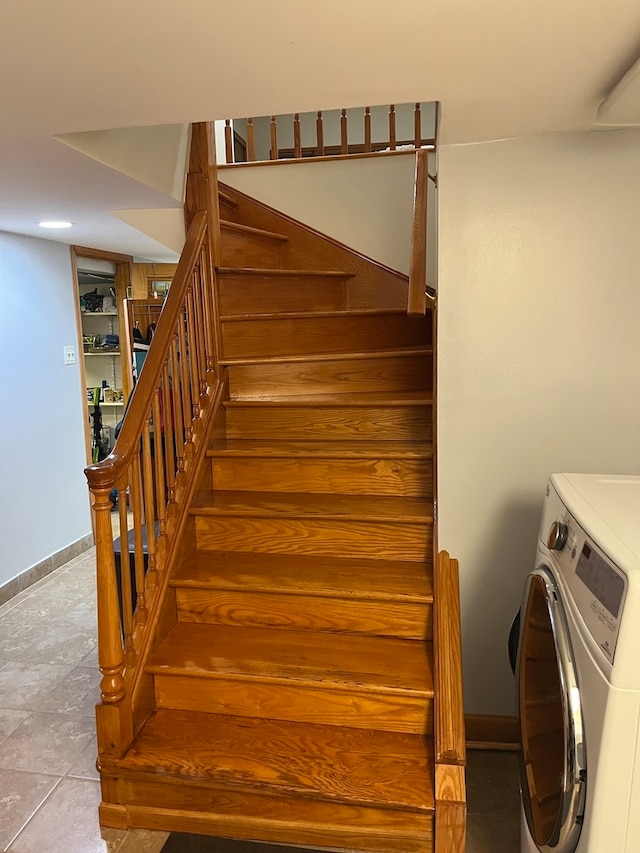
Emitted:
pixel 374 285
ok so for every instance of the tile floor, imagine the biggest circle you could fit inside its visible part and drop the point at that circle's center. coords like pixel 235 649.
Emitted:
pixel 49 789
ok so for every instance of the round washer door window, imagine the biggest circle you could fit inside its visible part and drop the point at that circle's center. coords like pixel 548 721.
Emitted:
pixel 552 764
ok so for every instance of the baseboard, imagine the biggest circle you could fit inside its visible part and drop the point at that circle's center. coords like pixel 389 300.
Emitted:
pixel 44 568
pixel 490 731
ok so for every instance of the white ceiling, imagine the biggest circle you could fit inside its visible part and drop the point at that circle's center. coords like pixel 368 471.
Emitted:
pixel 500 68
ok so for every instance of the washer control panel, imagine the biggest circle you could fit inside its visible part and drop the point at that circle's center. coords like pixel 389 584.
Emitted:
pixel 597 585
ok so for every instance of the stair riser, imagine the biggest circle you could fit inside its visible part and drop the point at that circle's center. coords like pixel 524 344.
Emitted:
pixel 339 538
pixel 299 703
pixel 408 620
pixel 181 806
pixel 393 423
pixel 249 250
pixel 346 376
pixel 303 336
pixel 240 295
pixel 407 477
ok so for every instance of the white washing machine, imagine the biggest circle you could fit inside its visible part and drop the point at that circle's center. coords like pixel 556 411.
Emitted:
pixel 578 670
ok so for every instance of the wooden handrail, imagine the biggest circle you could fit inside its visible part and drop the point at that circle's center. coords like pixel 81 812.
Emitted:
pixel 447 651
pixel 153 467
pixel 105 474
pixel 417 301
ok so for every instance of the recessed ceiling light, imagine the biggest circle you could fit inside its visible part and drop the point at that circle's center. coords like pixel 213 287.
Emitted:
pixel 53 223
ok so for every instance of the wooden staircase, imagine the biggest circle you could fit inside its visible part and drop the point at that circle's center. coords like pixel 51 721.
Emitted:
pixel 289 685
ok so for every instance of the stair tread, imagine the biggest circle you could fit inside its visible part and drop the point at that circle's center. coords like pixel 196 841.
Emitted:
pixel 284 273
pixel 304 658
pixel 320 449
pixel 330 763
pixel 327 314
pixel 307 505
pixel 365 579
pixel 227 225
pixel 360 398
pixel 332 356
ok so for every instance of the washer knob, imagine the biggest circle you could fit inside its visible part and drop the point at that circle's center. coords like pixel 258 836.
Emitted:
pixel 558 534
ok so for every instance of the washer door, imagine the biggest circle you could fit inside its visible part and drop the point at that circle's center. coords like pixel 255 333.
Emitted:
pixel 553 758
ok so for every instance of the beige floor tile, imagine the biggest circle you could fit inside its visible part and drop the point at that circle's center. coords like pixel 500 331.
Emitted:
pixel 50 742
pixel 78 693
pixel 10 720
pixel 24 686
pixel 15 637
pixel 66 823
pixel 59 644
pixel 20 795
pixel 91 659
pixel 85 766
pixel 143 841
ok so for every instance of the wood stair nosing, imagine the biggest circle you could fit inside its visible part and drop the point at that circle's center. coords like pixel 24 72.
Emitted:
pixel 287 335
pixel 335 356
pixel 399 510
pixel 330 418
pixel 337 449
pixel 365 399
pixel 344 662
pixel 265 272
pixel 274 377
pixel 371 597
pixel 355 767
pixel 357 579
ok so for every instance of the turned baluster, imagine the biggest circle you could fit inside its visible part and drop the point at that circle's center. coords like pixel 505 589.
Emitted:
pixel 208 306
pixel 128 605
pixel 135 492
pixel 169 432
pixel 251 142
pixel 344 139
pixel 149 488
pixel 160 403
pixel 199 320
pixel 184 381
pixel 392 127
pixel 273 128
pixel 228 141
pixel 367 129
pixel 177 404
pixel 417 129
pixel 297 143
pixel 110 652
pixel 193 356
pixel 319 135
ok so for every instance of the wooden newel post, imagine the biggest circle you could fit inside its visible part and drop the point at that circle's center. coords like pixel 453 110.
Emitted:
pixel 110 651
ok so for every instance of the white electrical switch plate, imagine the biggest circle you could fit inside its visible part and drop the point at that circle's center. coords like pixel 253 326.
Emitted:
pixel 69 355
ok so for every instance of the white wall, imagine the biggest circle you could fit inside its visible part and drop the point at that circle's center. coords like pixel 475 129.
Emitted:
pixel 364 203
pixel 539 357
pixel 43 497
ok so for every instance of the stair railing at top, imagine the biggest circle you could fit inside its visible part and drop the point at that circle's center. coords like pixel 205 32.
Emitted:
pixel 372 139
pixel 151 469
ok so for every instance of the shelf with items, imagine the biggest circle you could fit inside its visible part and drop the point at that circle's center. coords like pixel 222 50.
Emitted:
pixel 101 337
